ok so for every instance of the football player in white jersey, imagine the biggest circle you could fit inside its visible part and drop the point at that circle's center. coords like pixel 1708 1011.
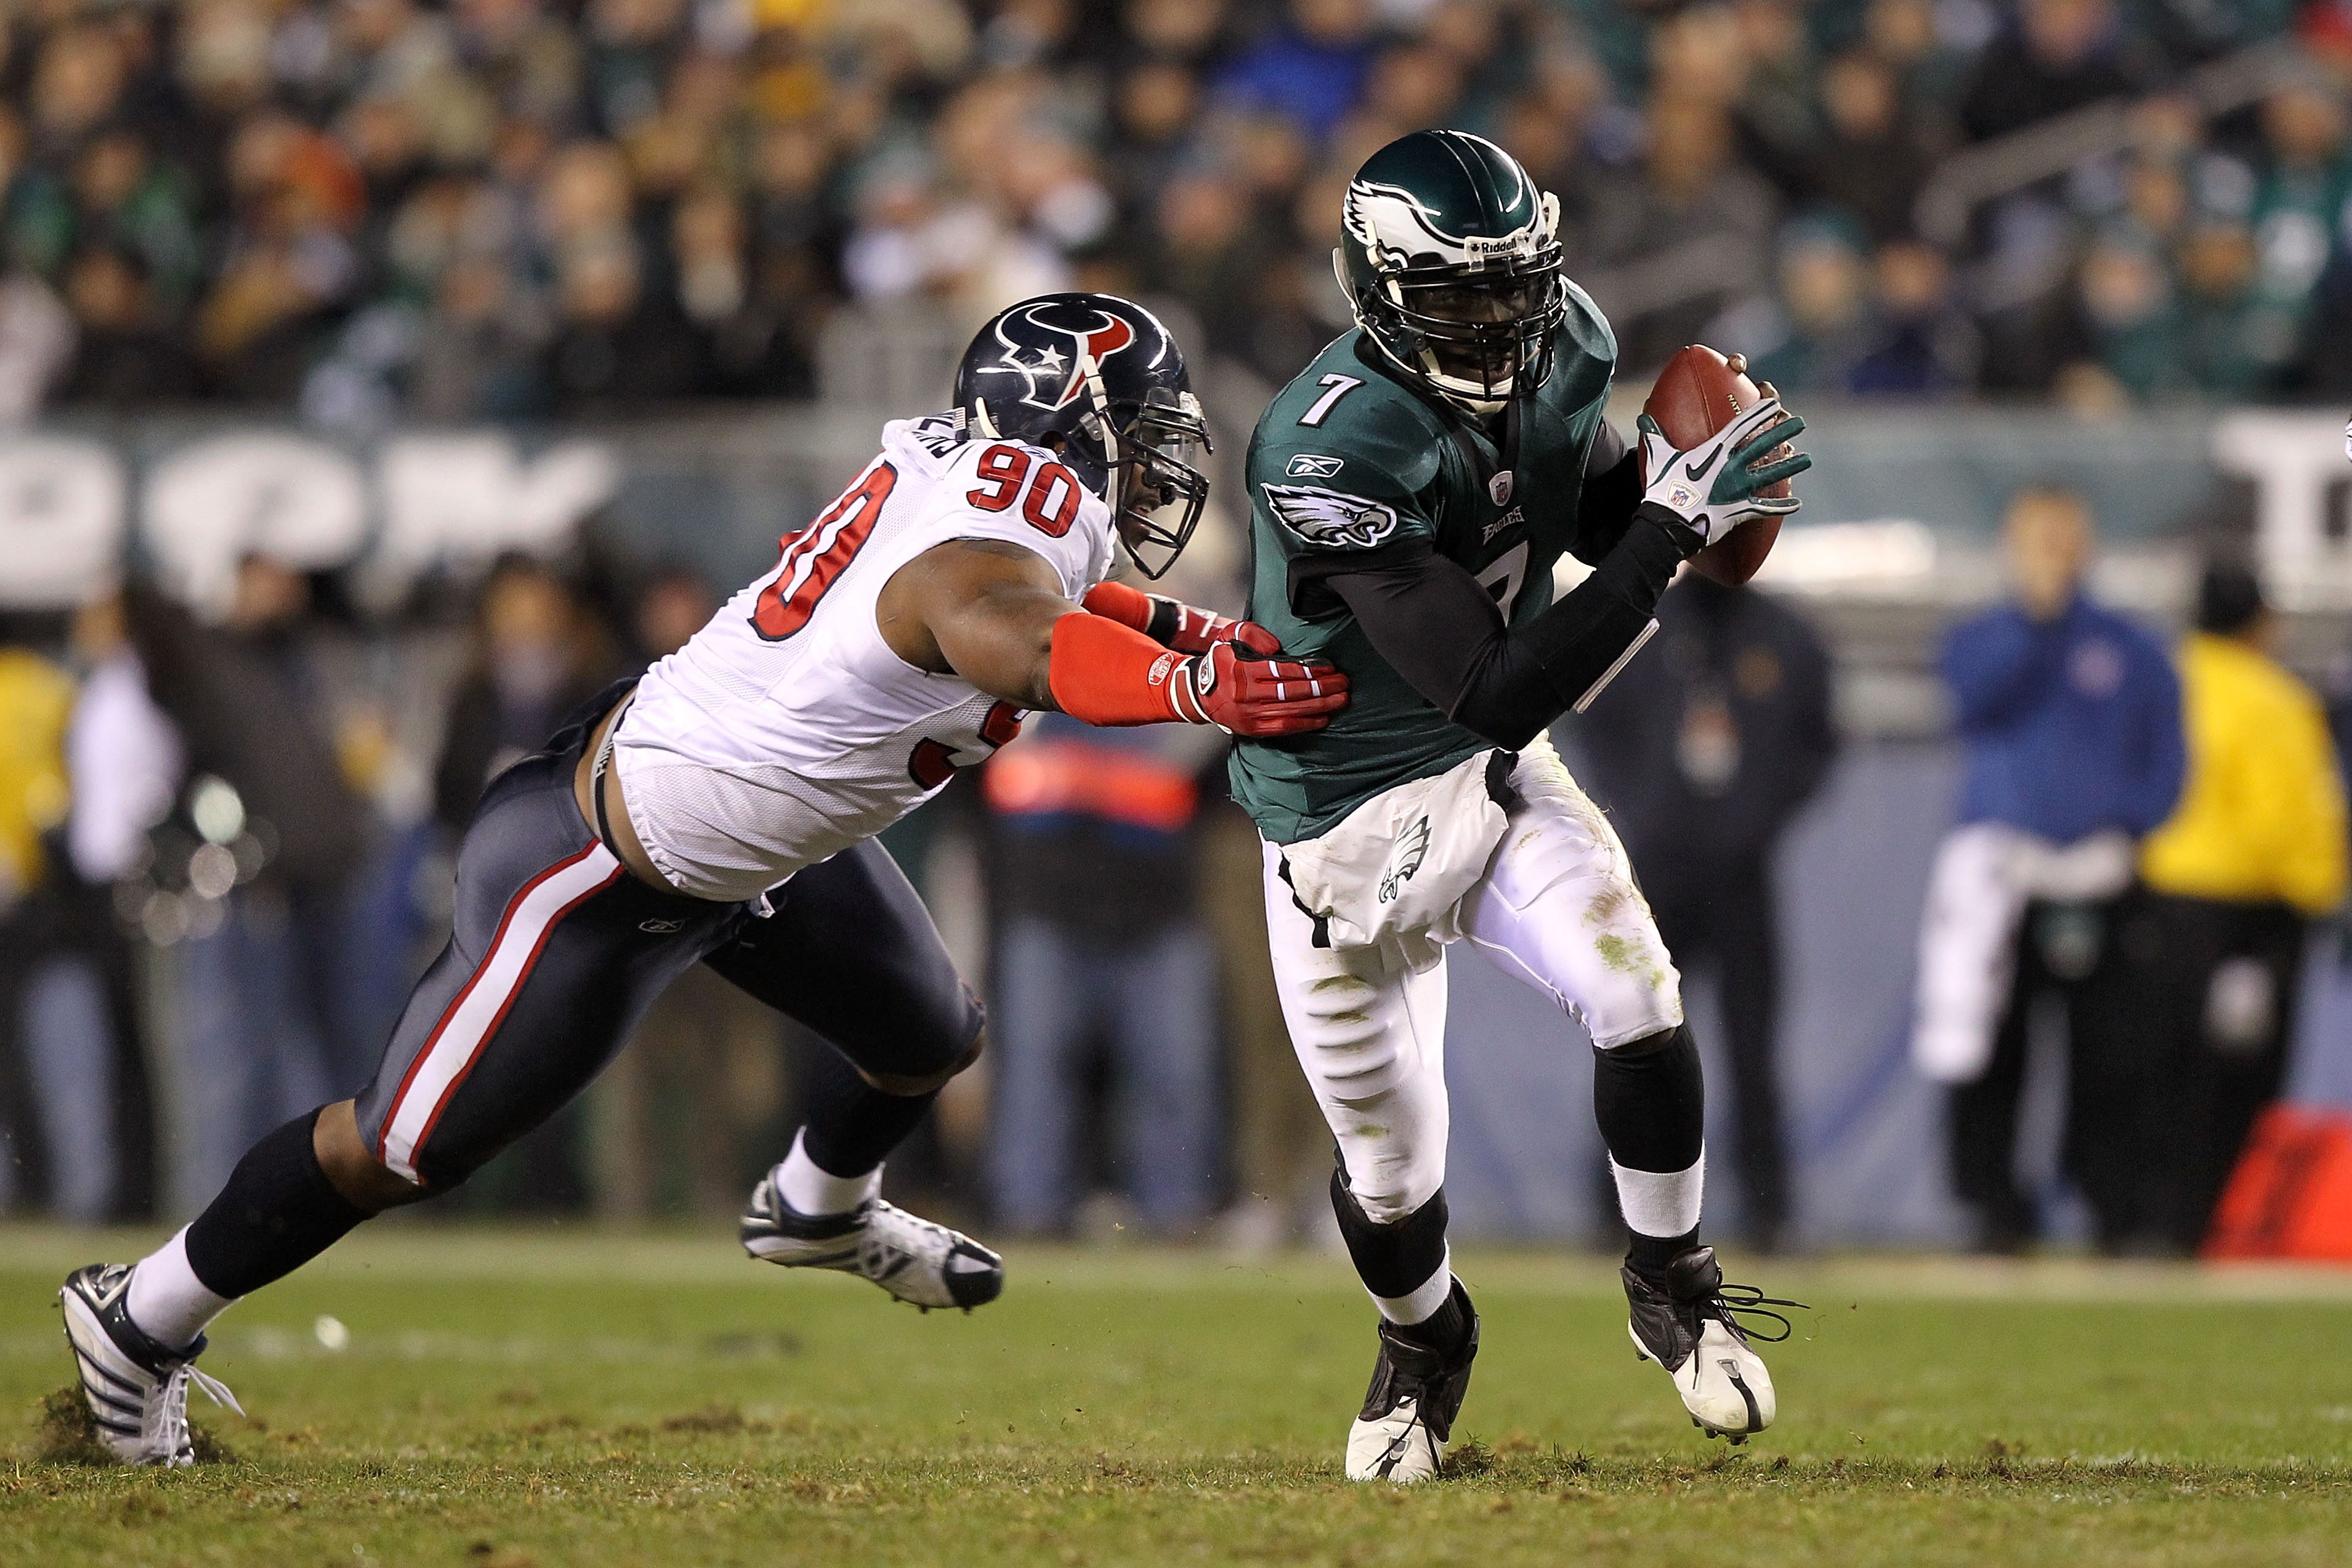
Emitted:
pixel 722 810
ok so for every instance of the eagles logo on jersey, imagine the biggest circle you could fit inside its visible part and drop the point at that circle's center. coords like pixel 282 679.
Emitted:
pixel 1328 519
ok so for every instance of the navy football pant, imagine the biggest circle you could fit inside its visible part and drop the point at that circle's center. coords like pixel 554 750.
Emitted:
pixel 558 952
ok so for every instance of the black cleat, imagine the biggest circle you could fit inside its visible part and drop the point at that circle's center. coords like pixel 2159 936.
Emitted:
pixel 1687 1324
pixel 1407 1421
pixel 136 1388
pixel 911 1257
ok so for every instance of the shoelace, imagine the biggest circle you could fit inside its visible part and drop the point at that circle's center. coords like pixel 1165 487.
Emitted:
pixel 1730 1303
pixel 165 1431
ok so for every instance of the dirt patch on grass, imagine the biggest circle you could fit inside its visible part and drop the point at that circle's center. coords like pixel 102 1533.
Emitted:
pixel 65 1434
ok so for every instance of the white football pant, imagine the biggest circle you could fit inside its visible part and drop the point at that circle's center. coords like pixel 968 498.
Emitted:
pixel 1556 908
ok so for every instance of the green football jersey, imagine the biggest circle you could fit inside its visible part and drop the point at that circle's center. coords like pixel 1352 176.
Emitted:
pixel 1348 464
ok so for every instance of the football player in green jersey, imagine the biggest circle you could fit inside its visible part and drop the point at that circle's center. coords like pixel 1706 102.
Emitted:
pixel 1411 491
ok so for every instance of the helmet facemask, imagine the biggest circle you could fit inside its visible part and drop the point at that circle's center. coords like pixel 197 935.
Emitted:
pixel 1478 331
pixel 1156 483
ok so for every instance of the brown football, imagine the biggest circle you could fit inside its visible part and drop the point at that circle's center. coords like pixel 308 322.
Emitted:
pixel 1697 393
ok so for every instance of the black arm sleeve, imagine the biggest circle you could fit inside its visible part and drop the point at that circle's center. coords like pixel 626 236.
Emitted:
pixel 1613 488
pixel 1430 619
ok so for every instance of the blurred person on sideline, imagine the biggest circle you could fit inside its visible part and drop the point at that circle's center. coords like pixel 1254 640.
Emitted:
pixel 2253 856
pixel 261 1034
pixel 1099 941
pixel 2070 714
pixel 537 655
pixel 86 765
pixel 1703 753
pixel 57 1120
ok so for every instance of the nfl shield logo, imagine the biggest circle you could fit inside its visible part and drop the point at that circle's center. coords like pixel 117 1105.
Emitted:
pixel 1499 487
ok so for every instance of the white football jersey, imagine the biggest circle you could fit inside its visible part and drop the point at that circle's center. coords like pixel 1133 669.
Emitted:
pixel 786 730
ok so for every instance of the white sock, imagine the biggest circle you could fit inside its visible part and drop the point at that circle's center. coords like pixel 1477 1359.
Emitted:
pixel 1661 1202
pixel 167 1300
pixel 1416 1305
pixel 813 1190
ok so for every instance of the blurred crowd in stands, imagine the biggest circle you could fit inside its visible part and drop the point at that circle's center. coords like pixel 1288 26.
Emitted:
pixel 370 210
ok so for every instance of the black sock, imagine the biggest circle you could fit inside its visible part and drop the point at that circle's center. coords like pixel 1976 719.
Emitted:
pixel 276 1212
pixel 1443 1329
pixel 1649 1255
pixel 1650 1099
pixel 1394 1259
pixel 852 1126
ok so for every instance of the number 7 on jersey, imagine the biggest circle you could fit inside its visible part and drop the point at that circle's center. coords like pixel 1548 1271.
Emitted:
pixel 1340 387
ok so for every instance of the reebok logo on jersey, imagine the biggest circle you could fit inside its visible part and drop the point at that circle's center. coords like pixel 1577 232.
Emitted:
pixel 661 928
pixel 1413 848
pixel 1313 466
pixel 1331 519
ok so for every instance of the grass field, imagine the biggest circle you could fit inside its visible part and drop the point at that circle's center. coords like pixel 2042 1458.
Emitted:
pixel 560 1396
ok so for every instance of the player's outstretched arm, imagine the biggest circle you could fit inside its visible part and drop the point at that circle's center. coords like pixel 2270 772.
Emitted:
pixel 995 614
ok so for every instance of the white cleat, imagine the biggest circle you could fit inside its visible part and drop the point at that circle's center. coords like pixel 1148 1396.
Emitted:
pixel 136 1388
pixel 1407 1421
pixel 1687 1325
pixel 911 1257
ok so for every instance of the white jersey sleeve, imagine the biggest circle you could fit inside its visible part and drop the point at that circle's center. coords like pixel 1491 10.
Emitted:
pixel 787 728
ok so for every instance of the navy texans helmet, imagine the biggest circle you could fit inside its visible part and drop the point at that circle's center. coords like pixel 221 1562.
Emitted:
pixel 1099 380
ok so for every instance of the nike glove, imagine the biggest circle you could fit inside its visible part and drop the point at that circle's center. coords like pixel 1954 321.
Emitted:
pixel 1245 693
pixel 1713 486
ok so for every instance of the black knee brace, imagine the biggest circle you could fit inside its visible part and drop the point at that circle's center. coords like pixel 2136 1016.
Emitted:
pixel 1650 1099
pixel 1392 1259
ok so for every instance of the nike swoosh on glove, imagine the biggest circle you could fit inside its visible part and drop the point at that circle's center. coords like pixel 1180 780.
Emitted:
pixel 1242 692
pixel 1712 487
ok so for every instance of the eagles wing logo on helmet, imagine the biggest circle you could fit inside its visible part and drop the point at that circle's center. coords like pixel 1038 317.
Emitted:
pixel 1392 223
pixel 1329 518
pixel 1055 381
pixel 1382 218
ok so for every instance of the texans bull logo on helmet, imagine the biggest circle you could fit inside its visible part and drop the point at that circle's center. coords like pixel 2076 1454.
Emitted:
pixel 1055 379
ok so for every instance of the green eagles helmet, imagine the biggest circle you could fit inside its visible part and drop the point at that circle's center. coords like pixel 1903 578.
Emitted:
pixel 1452 258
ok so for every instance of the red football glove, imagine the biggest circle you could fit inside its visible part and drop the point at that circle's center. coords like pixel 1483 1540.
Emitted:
pixel 1244 694
pixel 1105 672
pixel 1172 622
